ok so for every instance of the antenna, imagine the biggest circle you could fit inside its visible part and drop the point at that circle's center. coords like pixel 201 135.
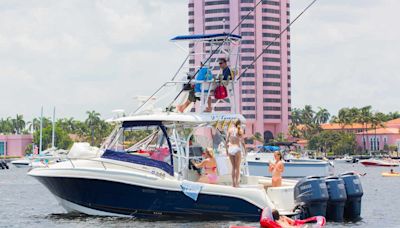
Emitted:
pixel 276 38
pixel 209 57
pixel 33 143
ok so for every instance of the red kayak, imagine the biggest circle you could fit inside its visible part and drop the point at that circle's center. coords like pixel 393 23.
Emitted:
pixel 375 162
pixel 266 221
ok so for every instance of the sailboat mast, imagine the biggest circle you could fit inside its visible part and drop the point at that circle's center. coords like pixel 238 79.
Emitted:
pixel 53 130
pixel 41 131
pixel 33 142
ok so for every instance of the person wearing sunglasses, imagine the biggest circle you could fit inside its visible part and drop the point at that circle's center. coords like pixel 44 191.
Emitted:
pixel 226 71
pixel 209 166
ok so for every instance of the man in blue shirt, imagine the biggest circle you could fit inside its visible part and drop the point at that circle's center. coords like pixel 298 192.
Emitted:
pixel 226 72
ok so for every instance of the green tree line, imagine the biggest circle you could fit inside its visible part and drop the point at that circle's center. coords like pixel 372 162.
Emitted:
pixel 306 124
pixel 93 129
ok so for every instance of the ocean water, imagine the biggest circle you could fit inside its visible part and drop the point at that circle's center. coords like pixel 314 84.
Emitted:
pixel 24 202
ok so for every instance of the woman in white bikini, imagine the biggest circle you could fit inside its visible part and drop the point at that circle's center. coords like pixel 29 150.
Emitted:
pixel 235 141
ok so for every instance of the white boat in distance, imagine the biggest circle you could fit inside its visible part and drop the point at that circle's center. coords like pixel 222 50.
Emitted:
pixel 380 162
pixel 258 163
pixel 21 163
pixel 346 159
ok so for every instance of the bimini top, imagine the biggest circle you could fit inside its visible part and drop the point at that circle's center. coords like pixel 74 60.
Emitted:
pixel 206 37
pixel 191 118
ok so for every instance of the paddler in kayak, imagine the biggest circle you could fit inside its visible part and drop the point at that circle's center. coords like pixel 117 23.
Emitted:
pixel 393 172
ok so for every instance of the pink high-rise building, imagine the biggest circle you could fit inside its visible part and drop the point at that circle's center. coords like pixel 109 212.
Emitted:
pixel 264 91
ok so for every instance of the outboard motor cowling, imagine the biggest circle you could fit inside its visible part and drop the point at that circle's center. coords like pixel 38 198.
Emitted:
pixel 354 191
pixel 311 194
pixel 337 199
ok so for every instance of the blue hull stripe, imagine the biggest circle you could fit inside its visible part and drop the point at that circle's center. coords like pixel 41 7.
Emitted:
pixel 127 199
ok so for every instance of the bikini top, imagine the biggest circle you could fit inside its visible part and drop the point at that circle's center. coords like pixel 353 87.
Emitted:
pixel 234 132
pixel 213 168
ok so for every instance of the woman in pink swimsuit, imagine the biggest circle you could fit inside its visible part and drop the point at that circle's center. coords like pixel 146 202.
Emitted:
pixel 210 167
pixel 235 141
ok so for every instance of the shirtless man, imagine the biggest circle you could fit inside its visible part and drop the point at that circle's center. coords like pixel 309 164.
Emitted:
pixel 282 220
pixel 277 169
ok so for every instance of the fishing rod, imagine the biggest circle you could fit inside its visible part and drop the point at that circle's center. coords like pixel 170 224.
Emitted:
pixel 212 54
pixel 276 38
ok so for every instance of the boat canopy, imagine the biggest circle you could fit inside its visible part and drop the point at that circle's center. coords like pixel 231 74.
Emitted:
pixel 142 142
pixel 193 118
pixel 206 37
pixel 269 148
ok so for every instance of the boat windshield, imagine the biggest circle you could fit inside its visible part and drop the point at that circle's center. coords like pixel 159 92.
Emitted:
pixel 143 143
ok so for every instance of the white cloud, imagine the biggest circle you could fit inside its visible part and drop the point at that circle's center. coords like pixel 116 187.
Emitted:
pixel 344 53
pixel 82 55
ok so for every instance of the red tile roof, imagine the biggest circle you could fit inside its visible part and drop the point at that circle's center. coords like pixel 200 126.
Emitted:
pixel 382 131
pixel 337 126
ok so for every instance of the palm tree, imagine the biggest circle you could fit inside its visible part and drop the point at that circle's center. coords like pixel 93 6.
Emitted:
pixel 392 115
pixel 18 124
pixel 345 117
pixel 307 114
pixel 334 119
pixel 35 124
pixel 364 118
pixel 377 121
pixel 92 121
pixel 296 116
pixel 322 116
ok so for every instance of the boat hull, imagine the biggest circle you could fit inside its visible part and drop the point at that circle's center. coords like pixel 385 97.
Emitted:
pixel 20 165
pixel 108 198
pixel 383 164
pixel 292 169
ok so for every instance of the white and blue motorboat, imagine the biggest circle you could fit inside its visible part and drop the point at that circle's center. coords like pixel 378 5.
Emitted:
pixel 152 178
pixel 143 169
pixel 258 163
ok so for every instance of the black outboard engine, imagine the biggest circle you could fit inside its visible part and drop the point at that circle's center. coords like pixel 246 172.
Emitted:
pixel 337 199
pixel 354 191
pixel 311 195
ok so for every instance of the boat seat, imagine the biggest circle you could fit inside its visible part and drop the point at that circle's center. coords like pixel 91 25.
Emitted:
pixel 260 186
pixel 266 183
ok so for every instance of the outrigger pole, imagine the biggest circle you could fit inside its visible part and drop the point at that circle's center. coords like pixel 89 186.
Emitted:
pixel 269 45
pixel 213 52
pixel 276 38
pixel 220 45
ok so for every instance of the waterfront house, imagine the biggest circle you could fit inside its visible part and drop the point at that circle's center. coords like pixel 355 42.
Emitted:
pixel 14 145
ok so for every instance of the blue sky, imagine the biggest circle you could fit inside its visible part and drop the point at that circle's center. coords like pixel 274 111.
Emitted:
pixel 97 55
